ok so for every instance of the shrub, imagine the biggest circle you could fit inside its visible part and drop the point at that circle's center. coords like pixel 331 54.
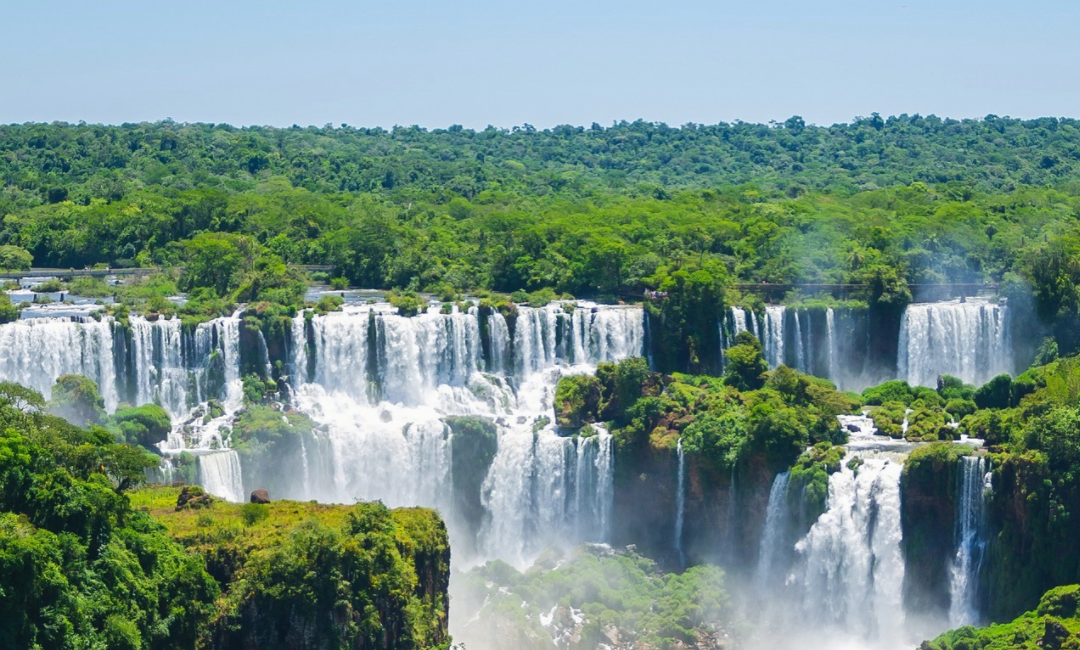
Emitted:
pixel 994 394
pixel 253 513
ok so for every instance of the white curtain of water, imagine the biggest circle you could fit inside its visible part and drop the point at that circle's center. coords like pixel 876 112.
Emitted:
pixel 967 339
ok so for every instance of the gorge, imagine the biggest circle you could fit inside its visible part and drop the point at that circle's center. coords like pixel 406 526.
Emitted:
pixel 454 409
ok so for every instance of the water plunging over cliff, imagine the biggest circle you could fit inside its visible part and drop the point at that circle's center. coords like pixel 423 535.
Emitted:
pixel 971 540
pixel 380 385
pixel 967 339
pixel 680 501
pixel 771 554
pixel 852 567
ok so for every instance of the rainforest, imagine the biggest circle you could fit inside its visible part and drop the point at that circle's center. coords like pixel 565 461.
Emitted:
pixel 739 386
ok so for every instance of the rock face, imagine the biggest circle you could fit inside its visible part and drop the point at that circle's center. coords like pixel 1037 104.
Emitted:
pixel 260 496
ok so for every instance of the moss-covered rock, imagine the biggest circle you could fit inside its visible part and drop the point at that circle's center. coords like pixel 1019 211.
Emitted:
pixel 1055 624
pixel 472 447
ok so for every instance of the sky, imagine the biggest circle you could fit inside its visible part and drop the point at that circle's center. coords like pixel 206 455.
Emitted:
pixel 481 62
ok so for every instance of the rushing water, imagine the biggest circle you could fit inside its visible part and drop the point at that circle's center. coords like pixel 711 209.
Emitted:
pixel 380 388
pixel 380 385
pixel 852 565
pixel 771 553
pixel 967 339
pixel 971 540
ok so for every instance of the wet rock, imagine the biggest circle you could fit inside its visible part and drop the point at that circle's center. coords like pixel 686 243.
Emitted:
pixel 260 496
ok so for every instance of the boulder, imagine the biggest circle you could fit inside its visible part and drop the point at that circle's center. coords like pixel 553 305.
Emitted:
pixel 260 496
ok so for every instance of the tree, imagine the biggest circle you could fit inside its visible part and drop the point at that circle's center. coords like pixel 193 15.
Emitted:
pixel 14 258
pixel 217 261
pixel 76 399
pixel 746 365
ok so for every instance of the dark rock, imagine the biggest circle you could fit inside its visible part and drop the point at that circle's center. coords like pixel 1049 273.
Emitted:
pixel 1054 634
pixel 193 497
pixel 852 428
pixel 260 496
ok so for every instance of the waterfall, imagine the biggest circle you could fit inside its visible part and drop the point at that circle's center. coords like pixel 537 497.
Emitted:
pixel 772 552
pixel 680 503
pixel 800 349
pixel 738 320
pixel 833 349
pixel 36 352
pixel 542 490
pixel 499 335
pixel 381 385
pixel 219 474
pixel 971 540
pixel 852 564
pixel 772 339
pixel 967 339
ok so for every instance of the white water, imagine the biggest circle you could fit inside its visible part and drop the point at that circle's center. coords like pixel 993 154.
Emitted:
pixel 967 339
pixel 771 551
pixel 971 541
pixel 834 348
pixel 852 567
pixel 220 474
pixel 36 352
pixel 381 385
pixel 772 337
pixel 680 502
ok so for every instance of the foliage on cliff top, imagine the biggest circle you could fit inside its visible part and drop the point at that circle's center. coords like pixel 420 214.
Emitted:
pixel 79 567
pixel 1055 623
pixel 616 591
pixel 718 423
pixel 382 572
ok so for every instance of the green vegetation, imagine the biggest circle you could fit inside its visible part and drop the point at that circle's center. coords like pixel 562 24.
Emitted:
pixel 13 258
pixel 86 563
pixel 719 424
pixel 9 312
pixel 882 202
pixel 620 595
pixel 282 566
pixel 79 567
pixel 1055 623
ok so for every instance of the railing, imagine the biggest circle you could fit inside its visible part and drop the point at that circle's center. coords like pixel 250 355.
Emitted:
pixel 72 273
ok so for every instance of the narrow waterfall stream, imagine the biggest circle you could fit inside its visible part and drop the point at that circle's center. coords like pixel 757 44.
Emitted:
pixel 680 502
pixel 971 540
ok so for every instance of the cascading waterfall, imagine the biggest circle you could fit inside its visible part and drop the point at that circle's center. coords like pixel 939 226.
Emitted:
pixel 543 489
pixel 852 566
pixel 381 384
pixel 220 475
pixel 967 339
pixel 834 348
pixel 771 552
pixel 971 540
pixel 36 352
pixel 800 350
pixel 680 502
pixel 772 338
pixel 145 362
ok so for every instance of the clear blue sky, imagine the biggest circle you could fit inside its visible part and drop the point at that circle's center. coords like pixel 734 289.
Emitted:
pixel 480 62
